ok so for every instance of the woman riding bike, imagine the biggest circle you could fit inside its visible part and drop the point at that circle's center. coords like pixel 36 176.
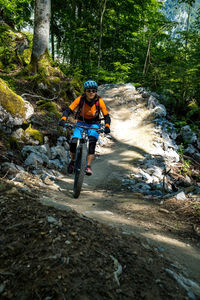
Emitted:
pixel 89 107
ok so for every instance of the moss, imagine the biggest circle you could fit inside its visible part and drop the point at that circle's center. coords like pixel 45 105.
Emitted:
pixel 10 53
pixel 13 143
pixel 29 37
pixel 35 79
pixel 1 65
pixel 11 101
pixel 26 56
pixel 35 134
pixel 55 80
pixel 45 66
pixel 48 106
pixel 65 97
pixel 77 85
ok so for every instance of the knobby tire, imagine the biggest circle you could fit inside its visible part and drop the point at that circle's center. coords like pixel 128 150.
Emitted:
pixel 80 169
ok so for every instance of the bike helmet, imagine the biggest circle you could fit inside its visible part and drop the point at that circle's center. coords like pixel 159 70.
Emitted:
pixel 90 84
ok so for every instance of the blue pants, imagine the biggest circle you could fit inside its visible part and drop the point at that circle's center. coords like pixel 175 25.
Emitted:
pixel 91 133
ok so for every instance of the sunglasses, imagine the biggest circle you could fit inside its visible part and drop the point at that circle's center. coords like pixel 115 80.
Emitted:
pixel 91 91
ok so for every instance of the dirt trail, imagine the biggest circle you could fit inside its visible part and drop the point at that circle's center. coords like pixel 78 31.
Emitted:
pixel 102 198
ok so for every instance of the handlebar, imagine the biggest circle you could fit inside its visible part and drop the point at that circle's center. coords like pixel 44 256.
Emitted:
pixel 71 126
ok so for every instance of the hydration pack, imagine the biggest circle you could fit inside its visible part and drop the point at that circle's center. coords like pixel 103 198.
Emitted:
pixel 82 100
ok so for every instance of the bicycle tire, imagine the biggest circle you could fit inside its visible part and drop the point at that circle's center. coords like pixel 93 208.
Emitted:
pixel 80 169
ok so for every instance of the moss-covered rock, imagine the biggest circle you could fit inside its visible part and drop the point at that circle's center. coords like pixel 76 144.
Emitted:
pixel 14 47
pixel 49 106
pixel 35 134
pixel 13 103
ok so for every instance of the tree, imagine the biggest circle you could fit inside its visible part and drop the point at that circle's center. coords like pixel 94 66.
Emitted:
pixel 101 32
pixel 41 32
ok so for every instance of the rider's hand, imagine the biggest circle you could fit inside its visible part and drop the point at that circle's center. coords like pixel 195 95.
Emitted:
pixel 62 123
pixel 107 130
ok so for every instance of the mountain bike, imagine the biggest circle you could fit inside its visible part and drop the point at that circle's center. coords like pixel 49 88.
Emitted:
pixel 81 156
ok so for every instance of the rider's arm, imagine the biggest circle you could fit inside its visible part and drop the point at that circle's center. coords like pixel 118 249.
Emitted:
pixel 105 113
pixel 70 109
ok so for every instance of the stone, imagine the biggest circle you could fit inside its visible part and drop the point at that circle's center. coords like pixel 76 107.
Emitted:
pixel 181 196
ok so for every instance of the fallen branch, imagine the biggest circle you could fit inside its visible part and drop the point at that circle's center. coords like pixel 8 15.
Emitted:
pixel 37 96
pixel 118 272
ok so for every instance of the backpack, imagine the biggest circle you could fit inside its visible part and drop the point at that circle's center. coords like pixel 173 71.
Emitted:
pixel 82 100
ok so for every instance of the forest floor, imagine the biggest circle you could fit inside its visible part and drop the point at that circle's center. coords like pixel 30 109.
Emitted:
pixel 107 244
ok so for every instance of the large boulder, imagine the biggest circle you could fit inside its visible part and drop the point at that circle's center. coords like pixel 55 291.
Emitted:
pixel 17 109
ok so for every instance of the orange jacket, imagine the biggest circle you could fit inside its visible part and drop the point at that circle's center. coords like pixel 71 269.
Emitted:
pixel 89 111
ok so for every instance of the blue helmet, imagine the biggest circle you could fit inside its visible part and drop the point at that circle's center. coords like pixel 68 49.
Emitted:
pixel 90 84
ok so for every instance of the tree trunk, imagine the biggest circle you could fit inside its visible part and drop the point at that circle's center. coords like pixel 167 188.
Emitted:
pixel 41 31
pixel 101 33
pixel 52 34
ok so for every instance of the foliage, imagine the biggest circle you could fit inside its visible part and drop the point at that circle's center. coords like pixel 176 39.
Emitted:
pixel 152 43
pixel 16 13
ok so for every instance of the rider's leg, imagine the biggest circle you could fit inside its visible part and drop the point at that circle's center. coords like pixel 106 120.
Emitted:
pixel 90 159
pixel 76 135
pixel 72 155
pixel 73 144
pixel 92 145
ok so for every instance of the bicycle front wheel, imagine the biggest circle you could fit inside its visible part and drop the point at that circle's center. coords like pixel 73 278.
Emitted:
pixel 80 165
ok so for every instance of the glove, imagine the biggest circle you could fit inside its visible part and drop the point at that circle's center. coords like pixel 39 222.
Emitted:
pixel 107 130
pixel 62 123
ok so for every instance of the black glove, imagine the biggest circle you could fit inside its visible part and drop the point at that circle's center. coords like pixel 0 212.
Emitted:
pixel 107 130
pixel 62 123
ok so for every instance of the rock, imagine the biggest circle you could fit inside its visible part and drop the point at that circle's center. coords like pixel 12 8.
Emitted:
pixel 152 102
pixel 198 143
pixel 11 168
pixel 160 111
pixel 14 104
pixel 189 285
pixel 181 196
pixel 18 134
pixel 52 219
pixel 196 156
pixel 129 86
pixel 33 160
pixel 190 149
pixel 59 152
pixel 187 134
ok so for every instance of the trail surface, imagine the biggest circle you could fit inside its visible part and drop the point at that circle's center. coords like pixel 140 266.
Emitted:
pixel 104 199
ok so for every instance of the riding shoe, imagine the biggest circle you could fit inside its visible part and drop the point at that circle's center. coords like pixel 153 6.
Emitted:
pixel 88 171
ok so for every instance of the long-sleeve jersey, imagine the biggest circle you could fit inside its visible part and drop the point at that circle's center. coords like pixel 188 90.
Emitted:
pixel 88 110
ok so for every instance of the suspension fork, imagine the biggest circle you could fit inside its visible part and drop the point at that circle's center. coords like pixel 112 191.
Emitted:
pixel 78 149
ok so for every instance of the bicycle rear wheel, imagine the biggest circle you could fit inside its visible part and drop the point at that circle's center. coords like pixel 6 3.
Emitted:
pixel 80 165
